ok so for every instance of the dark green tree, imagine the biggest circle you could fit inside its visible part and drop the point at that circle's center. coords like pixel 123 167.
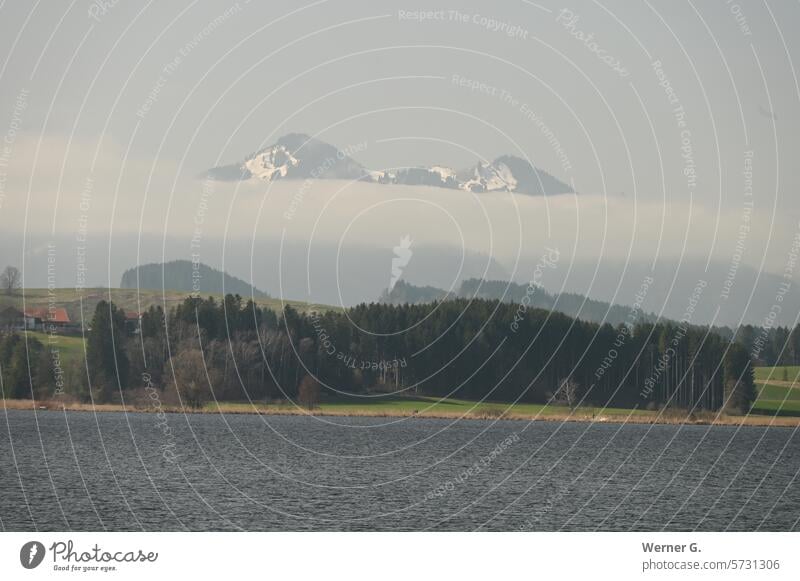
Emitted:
pixel 22 372
pixel 740 390
pixel 7 344
pixel 105 350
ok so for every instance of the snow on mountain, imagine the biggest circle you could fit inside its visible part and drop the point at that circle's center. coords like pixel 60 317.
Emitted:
pixel 298 156
pixel 272 163
pixel 293 156
pixel 437 176
pixel 490 177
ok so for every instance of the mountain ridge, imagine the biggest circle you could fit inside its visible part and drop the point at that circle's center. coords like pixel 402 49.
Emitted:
pixel 298 156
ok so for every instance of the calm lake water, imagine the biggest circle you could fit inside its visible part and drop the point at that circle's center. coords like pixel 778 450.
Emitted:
pixel 108 471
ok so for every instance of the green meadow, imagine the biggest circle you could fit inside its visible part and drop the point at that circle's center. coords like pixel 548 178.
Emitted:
pixel 777 373
pixel 776 395
pixel 70 347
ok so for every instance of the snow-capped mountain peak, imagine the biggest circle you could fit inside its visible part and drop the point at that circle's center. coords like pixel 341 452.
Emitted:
pixel 271 163
pixel 489 177
pixel 298 156
pixel 293 156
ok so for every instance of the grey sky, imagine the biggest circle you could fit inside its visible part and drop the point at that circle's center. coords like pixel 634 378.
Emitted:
pixel 118 92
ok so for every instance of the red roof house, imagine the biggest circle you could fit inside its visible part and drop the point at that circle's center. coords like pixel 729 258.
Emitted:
pixel 38 318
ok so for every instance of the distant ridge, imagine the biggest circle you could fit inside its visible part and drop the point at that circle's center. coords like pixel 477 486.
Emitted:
pixel 182 275
pixel 570 304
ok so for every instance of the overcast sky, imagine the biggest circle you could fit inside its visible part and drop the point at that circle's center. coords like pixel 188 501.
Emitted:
pixel 658 108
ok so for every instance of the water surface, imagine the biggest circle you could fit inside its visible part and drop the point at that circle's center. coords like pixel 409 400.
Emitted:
pixel 85 471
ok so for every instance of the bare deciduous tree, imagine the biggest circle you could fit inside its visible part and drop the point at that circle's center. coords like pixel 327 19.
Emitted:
pixel 193 377
pixel 10 279
pixel 308 392
pixel 568 392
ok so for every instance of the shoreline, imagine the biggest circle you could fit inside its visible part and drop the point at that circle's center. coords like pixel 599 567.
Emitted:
pixel 233 408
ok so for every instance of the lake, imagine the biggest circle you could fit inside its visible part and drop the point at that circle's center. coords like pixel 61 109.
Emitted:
pixel 116 471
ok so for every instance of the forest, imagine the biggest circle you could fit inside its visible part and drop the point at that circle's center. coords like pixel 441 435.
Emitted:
pixel 233 350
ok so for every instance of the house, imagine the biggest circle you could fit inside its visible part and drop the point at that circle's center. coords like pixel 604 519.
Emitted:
pixel 133 323
pixel 12 319
pixel 53 319
pixel 33 322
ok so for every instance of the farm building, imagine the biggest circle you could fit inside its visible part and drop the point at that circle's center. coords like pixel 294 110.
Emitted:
pixel 12 319
pixel 43 319
pixel 133 322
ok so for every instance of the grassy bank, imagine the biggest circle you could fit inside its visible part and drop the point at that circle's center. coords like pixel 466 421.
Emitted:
pixel 424 407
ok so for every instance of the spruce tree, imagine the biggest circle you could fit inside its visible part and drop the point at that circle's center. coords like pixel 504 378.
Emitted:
pixel 105 350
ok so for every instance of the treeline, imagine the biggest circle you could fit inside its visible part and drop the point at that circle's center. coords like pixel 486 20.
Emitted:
pixel 769 345
pixel 772 346
pixel 234 350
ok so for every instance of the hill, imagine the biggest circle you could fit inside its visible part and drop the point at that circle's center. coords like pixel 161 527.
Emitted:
pixel 186 276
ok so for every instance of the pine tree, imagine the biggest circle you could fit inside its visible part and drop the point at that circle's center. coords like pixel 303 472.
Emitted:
pixel 740 391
